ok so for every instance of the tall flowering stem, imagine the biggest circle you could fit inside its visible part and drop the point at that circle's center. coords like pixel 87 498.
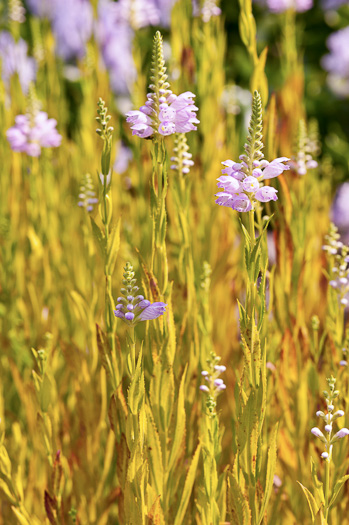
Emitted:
pixel 210 500
pixel 243 189
pixel 325 498
pixel 108 238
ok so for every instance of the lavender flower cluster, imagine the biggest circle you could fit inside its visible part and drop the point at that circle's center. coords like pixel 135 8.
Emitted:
pixel 241 190
pixel 176 115
pixel 14 59
pixel 33 132
pixel 132 308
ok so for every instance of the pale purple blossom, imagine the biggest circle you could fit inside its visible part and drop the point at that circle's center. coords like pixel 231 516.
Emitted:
pixel 241 190
pixel 177 114
pixel 30 135
pixel 214 384
pixel 14 59
pixel 41 8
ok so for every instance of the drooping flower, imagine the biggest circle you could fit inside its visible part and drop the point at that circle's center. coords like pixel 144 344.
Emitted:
pixel 14 59
pixel 29 134
pixel 132 308
pixel 163 113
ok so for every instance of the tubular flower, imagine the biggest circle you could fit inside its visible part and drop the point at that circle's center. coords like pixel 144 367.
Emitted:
pixel 132 308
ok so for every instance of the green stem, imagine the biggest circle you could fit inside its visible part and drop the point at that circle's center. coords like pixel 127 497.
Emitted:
pixel 327 483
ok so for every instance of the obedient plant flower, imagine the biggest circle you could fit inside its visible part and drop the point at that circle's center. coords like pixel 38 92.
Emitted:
pixel 41 8
pixel 123 157
pixel 132 308
pixel 31 133
pixel 182 159
pixel 327 437
pixel 214 385
pixel 206 9
pixel 339 259
pixel 279 6
pixel 303 160
pixel 87 194
pixel 337 62
pixel 163 113
pixel 16 11
pixel 14 59
pixel 242 182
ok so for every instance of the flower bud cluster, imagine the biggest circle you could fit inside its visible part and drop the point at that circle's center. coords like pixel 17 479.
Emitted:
pixel 182 159
pixel 214 384
pixel 87 193
pixel 303 160
pixel 328 438
pixel 164 113
pixel 132 308
pixel 241 182
pixel 339 259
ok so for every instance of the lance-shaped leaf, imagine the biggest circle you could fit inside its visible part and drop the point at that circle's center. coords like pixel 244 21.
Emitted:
pixel 180 425
pixel 99 238
pixel 136 389
pixel 313 506
pixel 337 488
pixel 154 453
pixel 270 474
pixel 188 486
pixel 238 508
pixel 113 248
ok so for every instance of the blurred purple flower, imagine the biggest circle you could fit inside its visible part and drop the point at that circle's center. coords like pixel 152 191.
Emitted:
pixel 41 8
pixel 332 4
pixel 337 61
pixel 279 6
pixel 72 22
pixel 123 157
pixel 14 59
pixel 29 137
pixel 115 36
pixel 340 209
